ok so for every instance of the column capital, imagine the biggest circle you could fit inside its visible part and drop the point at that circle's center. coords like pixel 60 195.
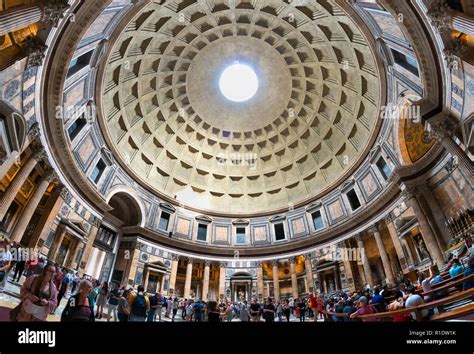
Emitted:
pixel 35 49
pixel 440 14
pixel 414 190
pixel 307 256
pixel 54 11
pixel 207 263
pixel 34 131
pixel 97 222
pixel 175 257
pixel 38 152
pixel 388 218
pixel 50 175
pixel 358 238
pixel 452 53
pixel 222 264
pixel 373 229
pixel 292 259
pixel 190 260
pixel 275 262
pixel 441 128
pixel 258 264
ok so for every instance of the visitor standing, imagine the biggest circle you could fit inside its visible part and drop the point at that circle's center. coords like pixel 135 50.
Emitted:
pixel 269 311
pixel 102 299
pixel 112 304
pixel 255 310
pixel 38 297
pixel 244 313
pixel 66 280
pixel 280 311
pixel 123 307
pixel 5 263
pixel 78 307
pixel 287 310
pixel 139 305
pixel 153 307
pixel 175 309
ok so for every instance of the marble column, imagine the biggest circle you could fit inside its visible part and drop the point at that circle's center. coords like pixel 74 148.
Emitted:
pixel 396 243
pixel 383 255
pixel 426 232
pixel 365 262
pixel 50 212
pixel 222 280
pixel 294 280
pixel 260 290
pixel 443 130
pixel 347 256
pixel 89 244
pixel 30 208
pixel 146 277
pixel 58 239
pixel 276 280
pixel 189 275
pixel 412 258
pixel 205 283
pixel 72 253
pixel 309 273
pixel 19 180
pixel 174 272
pixel 337 279
pixel 438 218
pixel 18 17
pixel 446 19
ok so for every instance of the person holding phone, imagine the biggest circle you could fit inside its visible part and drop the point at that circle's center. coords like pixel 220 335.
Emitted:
pixel 38 297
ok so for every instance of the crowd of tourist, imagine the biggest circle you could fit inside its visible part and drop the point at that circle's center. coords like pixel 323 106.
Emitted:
pixel 46 284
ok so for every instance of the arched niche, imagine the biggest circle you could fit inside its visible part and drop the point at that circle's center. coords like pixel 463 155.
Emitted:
pixel 126 208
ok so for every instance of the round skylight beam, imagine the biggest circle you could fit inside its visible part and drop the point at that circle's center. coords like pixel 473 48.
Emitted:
pixel 238 82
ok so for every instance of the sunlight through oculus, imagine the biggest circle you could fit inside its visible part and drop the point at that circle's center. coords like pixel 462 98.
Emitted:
pixel 238 82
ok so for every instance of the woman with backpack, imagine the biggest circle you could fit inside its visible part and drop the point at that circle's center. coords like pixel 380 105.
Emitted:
pixel 79 308
pixel 139 305
pixel 38 297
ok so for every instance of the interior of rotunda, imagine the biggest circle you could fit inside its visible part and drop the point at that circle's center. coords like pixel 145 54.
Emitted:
pixel 239 149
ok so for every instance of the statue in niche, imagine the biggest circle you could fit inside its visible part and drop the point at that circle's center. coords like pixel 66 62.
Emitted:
pixel 241 295
pixel 421 247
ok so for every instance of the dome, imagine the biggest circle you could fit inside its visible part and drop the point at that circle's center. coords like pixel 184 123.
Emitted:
pixel 311 121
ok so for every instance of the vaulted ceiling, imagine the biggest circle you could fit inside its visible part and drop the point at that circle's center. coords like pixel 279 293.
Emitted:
pixel 309 124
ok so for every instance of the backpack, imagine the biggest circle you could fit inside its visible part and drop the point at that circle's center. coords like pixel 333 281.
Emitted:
pixel 139 306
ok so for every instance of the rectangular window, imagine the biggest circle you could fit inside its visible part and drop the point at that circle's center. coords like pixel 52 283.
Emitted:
pixel 383 168
pixel 279 232
pixel 98 171
pixel 240 235
pixel 164 221
pixel 202 232
pixel 76 127
pixel 318 221
pixel 353 199
pixel 405 61
pixel 79 63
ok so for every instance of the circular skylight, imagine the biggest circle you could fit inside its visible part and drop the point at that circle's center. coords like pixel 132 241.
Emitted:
pixel 238 82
